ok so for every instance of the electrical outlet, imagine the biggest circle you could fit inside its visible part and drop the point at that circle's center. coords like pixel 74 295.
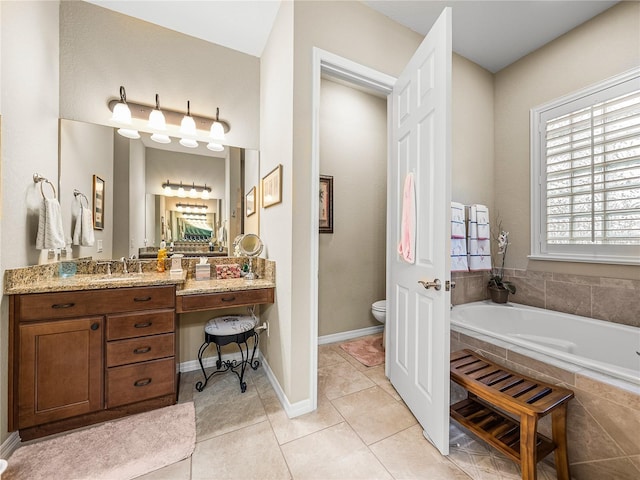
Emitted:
pixel 99 246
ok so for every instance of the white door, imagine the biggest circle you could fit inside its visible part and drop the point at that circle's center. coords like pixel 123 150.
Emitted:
pixel 418 318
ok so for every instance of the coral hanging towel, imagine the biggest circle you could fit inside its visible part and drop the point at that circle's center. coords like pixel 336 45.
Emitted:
pixel 406 247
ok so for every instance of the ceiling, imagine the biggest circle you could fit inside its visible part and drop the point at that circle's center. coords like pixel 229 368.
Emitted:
pixel 492 34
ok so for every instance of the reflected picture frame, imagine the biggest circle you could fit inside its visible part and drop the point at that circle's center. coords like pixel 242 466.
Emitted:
pixel 325 220
pixel 250 202
pixel 98 202
pixel 272 187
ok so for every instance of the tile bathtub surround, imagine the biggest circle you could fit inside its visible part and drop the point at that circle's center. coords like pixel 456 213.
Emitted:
pixel 612 299
pixel 603 420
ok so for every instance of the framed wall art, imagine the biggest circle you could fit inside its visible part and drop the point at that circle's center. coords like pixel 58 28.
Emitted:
pixel 326 204
pixel 272 187
pixel 98 203
pixel 250 202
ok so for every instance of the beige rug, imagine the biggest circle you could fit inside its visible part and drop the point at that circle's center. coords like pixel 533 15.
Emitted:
pixel 367 350
pixel 117 450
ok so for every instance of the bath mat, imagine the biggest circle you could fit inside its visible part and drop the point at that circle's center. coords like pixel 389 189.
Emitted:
pixel 119 450
pixel 367 350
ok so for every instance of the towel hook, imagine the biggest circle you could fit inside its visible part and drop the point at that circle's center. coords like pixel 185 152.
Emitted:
pixel 37 178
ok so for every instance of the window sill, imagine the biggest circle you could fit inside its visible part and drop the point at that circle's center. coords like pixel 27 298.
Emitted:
pixel 585 259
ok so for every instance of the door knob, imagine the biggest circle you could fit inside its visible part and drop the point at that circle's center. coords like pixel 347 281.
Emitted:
pixel 435 284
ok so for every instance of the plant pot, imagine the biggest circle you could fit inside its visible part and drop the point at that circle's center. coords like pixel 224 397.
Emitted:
pixel 498 295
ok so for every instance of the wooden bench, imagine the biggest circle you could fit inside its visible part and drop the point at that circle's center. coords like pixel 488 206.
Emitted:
pixel 503 407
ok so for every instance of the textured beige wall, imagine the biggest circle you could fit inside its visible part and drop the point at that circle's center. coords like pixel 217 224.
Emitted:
pixel 353 149
pixel 101 50
pixel 607 45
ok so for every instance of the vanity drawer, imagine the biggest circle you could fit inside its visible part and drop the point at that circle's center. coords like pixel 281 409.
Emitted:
pixel 187 303
pixel 140 381
pixel 46 306
pixel 134 350
pixel 140 324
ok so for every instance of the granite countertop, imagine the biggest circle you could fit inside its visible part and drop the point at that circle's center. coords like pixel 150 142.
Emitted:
pixel 96 282
pixel 196 287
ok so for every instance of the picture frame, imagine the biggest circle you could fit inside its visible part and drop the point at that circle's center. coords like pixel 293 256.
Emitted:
pixel 272 187
pixel 326 204
pixel 98 202
pixel 250 202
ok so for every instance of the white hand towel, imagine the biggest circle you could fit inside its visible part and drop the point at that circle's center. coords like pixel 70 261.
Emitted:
pixel 482 218
pixel 459 255
pixel 457 220
pixel 479 249
pixel 406 246
pixel 50 231
pixel 87 239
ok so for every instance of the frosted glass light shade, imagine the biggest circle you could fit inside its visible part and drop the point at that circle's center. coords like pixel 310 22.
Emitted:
pixel 188 142
pixel 160 138
pixel 215 147
pixel 129 133
pixel 121 114
pixel 205 193
pixel 188 126
pixel 157 121
pixel 217 131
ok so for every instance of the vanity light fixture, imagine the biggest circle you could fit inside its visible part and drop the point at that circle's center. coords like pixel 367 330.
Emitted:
pixel 169 189
pixel 122 116
pixel 190 128
pixel 158 124
pixel 191 207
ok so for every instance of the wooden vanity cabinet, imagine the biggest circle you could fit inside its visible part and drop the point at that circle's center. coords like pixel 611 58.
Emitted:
pixel 83 357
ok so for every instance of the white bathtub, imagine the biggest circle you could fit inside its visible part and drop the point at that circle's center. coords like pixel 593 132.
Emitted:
pixel 605 347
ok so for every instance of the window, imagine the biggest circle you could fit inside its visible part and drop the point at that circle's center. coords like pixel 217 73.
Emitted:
pixel 585 164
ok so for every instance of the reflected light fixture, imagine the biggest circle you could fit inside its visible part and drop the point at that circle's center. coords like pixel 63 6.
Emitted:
pixel 122 115
pixel 170 188
pixel 188 129
pixel 191 207
pixel 158 123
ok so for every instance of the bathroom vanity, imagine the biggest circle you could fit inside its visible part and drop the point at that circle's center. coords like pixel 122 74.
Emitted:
pixel 94 347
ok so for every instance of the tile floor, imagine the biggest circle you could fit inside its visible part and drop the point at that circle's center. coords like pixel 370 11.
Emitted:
pixel 361 430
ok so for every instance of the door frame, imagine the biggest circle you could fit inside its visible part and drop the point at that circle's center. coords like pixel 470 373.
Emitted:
pixel 352 72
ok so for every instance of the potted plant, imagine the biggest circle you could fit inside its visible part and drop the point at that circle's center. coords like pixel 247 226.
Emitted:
pixel 499 288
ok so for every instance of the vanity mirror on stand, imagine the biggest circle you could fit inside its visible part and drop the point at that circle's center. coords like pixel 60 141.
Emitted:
pixel 251 246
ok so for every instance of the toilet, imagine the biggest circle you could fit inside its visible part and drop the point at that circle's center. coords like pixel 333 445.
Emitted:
pixel 379 311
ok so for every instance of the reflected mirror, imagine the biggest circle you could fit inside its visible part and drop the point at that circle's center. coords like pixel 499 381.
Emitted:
pixel 138 211
pixel 251 246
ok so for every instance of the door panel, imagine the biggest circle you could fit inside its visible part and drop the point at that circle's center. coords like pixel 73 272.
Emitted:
pixel 417 318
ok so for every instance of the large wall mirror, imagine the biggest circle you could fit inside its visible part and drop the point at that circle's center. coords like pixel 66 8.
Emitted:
pixel 138 212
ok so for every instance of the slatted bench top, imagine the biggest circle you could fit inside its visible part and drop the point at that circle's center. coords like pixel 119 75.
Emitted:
pixel 505 388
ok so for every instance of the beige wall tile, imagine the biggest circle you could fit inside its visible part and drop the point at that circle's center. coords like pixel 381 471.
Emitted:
pixel 618 469
pixel 568 298
pixel 609 392
pixel 618 305
pixel 530 291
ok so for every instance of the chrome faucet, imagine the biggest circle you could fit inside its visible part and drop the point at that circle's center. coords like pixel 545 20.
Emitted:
pixel 108 264
pixel 124 265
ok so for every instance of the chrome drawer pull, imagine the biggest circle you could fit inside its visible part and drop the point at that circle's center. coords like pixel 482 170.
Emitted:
pixel 229 299
pixel 142 325
pixel 140 350
pixel 62 305
pixel 141 299
pixel 142 382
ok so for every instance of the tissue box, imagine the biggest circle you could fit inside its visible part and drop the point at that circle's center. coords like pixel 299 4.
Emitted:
pixel 203 272
pixel 231 270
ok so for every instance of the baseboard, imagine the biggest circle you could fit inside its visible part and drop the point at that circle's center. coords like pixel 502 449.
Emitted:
pixel 342 336
pixel 10 445
pixel 210 361
pixel 291 409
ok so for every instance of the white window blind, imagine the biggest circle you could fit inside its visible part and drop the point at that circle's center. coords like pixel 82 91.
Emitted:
pixel 585 174
pixel 593 174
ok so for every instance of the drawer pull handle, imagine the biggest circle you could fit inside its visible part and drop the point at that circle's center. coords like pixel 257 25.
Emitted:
pixel 95 326
pixel 62 305
pixel 142 382
pixel 230 299
pixel 141 299
pixel 140 350
pixel 142 325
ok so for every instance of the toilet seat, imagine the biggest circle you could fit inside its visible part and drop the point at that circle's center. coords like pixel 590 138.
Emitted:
pixel 379 306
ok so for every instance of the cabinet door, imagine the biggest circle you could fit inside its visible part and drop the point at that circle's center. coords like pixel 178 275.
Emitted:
pixel 60 369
